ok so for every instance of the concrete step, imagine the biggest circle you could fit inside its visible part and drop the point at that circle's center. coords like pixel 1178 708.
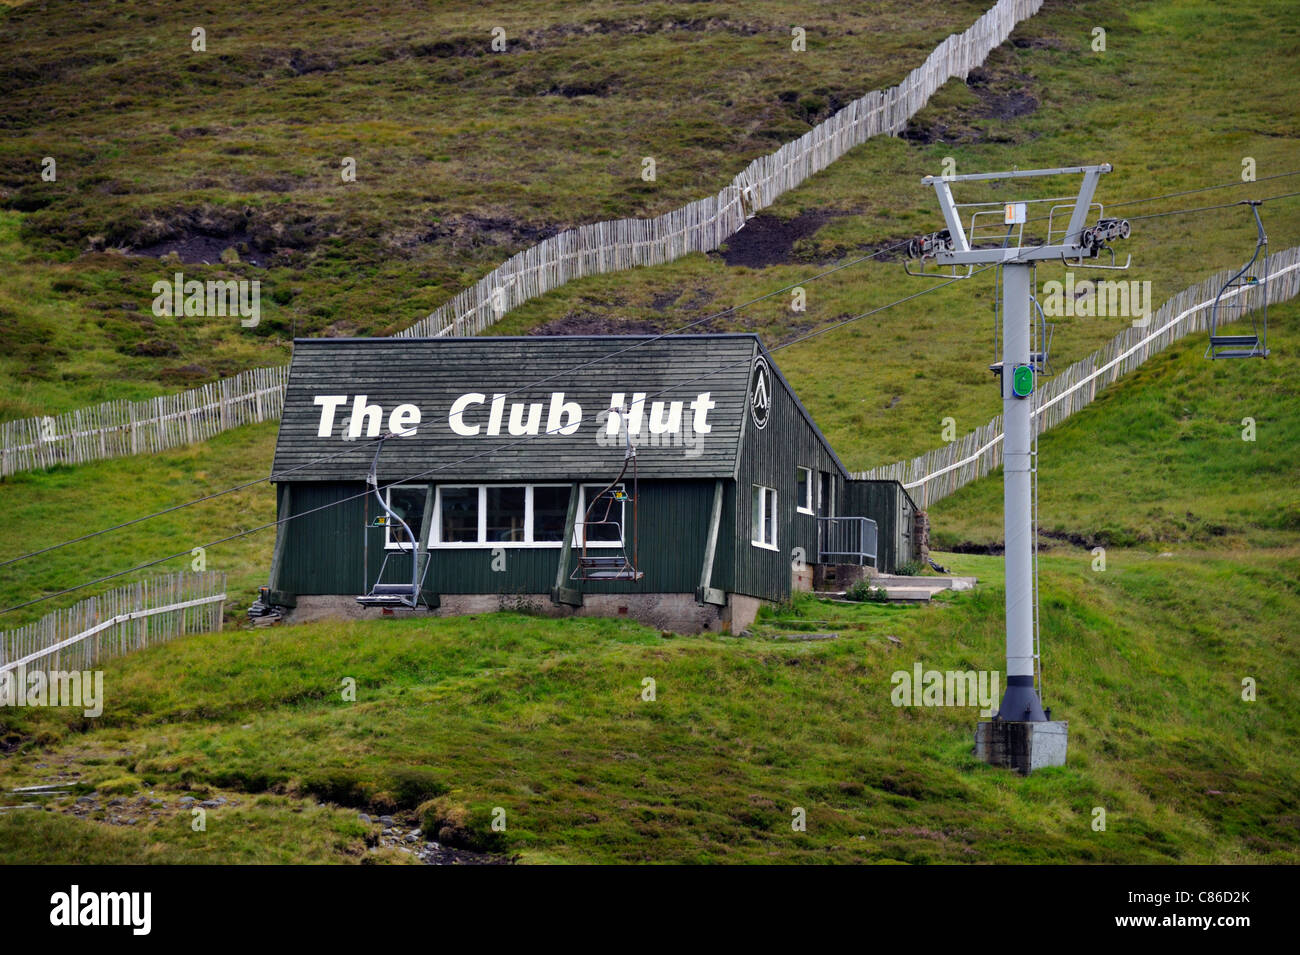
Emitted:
pixel 909 589
pixel 939 583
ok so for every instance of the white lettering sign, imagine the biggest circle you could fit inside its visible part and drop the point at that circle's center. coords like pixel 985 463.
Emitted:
pixel 474 413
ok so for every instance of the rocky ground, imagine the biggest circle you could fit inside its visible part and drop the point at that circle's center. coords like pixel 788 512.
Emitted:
pixel 394 836
pixel 386 832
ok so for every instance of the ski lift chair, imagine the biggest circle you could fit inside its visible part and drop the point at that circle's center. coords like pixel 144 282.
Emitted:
pixel 393 595
pixel 1238 291
pixel 611 566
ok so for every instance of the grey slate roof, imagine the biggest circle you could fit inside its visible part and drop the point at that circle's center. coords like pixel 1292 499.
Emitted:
pixel 432 373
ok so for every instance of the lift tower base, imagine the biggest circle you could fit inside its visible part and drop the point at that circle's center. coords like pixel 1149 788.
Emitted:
pixel 1022 745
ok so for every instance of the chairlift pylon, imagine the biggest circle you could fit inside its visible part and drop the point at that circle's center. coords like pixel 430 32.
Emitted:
pixel 613 566
pixel 1239 290
pixel 393 595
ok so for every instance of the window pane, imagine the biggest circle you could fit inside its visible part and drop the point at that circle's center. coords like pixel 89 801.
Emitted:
pixel 407 501
pixel 459 515
pixel 550 508
pixel 756 515
pixel 805 490
pixel 505 514
pixel 604 515
pixel 770 536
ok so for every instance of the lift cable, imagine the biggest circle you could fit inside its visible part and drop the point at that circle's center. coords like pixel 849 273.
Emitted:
pixel 1170 195
pixel 1226 205
pixel 1131 202
pixel 177 507
pixel 451 464
pixel 795 341
pixel 614 354
pixel 1188 192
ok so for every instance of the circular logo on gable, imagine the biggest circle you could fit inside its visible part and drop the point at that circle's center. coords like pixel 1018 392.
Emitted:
pixel 760 392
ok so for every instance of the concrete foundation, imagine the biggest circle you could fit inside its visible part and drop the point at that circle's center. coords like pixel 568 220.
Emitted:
pixel 801 578
pixel 741 611
pixel 676 613
pixel 835 577
pixel 1022 746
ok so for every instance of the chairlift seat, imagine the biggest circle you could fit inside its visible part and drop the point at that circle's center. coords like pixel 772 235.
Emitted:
pixel 605 568
pixel 393 590
pixel 390 595
pixel 1236 346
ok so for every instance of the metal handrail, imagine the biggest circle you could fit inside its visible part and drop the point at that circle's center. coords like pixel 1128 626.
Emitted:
pixel 853 539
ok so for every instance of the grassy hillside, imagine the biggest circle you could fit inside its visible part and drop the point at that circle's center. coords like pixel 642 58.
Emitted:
pixel 1160 460
pixel 463 154
pixel 1174 72
pixel 47 507
pixel 1171 104
pixel 545 720
pixel 456 717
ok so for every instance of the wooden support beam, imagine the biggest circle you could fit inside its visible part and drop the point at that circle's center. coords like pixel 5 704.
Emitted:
pixel 422 556
pixel 563 592
pixel 281 532
pixel 707 593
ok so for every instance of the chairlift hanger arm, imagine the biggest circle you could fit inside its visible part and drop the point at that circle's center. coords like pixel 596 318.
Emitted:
pixel 372 478
pixel 1071 244
pixel 1020 173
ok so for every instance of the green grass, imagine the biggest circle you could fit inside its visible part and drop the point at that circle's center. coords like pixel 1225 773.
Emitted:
pixel 1159 460
pixel 464 155
pixel 545 719
pixel 1151 105
pixel 46 507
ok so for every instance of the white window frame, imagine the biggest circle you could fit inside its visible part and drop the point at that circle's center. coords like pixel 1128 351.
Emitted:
pixel 581 516
pixel 810 478
pixel 389 543
pixel 435 526
pixel 758 535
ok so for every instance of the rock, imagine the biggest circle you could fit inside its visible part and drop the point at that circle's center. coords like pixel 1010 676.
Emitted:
pixel 416 833
pixel 210 804
pixel 386 820
pixel 86 800
pixel 116 802
pixel 363 818
pixel 186 800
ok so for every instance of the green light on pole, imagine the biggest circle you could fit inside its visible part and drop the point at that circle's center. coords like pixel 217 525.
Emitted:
pixel 1022 381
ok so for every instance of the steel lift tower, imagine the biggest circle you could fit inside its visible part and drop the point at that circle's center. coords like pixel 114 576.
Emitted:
pixel 1021 735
